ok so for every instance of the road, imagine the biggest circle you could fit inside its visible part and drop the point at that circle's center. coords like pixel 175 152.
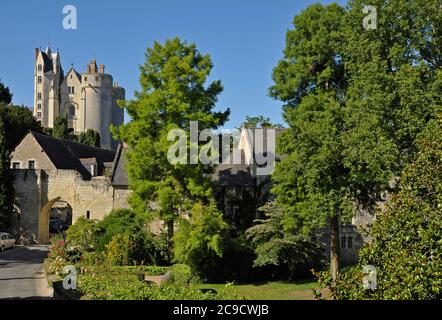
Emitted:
pixel 21 275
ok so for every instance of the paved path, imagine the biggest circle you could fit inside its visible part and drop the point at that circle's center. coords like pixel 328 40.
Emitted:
pixel 21 275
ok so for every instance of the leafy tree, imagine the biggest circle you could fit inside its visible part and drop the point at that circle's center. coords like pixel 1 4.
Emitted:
pixel 406 237
pixel 260 122
pixel 201 240
pixel 19 120
pixel 61 127
pixel 5 94
pixel 118 222
pixel 277 246
pixel 90 138
pixel 335 155
pixel 173 93
pixel 6 186
pixel 394 67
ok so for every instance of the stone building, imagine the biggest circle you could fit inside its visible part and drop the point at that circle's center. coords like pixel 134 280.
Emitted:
pixel 88 99
pixel 64 175
pixel 59 175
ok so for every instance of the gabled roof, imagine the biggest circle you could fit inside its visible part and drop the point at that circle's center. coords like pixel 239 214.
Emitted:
pixel 68 155
pixel 233 175
pixel 119 172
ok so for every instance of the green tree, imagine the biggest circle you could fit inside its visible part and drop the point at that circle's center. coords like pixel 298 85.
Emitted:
pixel 6 186
pixel 5 94
pixel 90 137
pixel 19 120
pixel 260 122
pixel 276 246
pixel 173 93
pixel 201 240
pixel 61 127
pixel 335 155
pixel 406 237
pixel 393 68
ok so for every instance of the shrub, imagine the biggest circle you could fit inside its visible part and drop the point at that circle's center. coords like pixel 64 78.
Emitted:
pixel 181 275
pixel 58 257
pixel 200 242
pixel 123 249
pixel 119 283
pixel 83 235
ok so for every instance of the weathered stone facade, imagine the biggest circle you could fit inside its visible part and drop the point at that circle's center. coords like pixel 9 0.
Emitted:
pixel 88 99
pixel 36 188
pixel 48 171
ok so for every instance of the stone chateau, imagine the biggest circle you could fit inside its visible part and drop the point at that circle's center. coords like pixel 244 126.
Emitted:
pixel 89 99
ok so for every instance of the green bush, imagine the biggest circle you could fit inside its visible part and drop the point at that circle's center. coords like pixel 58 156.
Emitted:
pixel 120 221
pixel 83 235
pixel 123 249
pixel 99 283
pixel 181 275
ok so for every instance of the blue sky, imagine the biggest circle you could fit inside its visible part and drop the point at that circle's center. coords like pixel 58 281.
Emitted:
pixel 245 39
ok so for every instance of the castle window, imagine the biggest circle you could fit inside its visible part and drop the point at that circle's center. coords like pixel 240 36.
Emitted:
pixel 96 79
pixel 88 214
pixel 343 243
pixel 40 67
pixel 85 78
pixel 71 90
pixel 16 165
pixel 39 79
pixel 72 111
pixel 31 164
pixel 38 114
pixel 39 96
pixel 350 242
pixel 39 106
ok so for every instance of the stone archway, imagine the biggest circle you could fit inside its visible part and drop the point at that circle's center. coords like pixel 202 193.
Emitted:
pixel 43 221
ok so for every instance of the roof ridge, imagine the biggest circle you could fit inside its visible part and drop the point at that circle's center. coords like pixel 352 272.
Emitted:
pixel 70 141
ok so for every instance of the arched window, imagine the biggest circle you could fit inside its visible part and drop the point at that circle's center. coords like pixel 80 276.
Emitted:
pixel 71 111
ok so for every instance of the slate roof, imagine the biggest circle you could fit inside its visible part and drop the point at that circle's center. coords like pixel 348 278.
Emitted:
pixel 119 173
pixel 69 155
pixel 233 175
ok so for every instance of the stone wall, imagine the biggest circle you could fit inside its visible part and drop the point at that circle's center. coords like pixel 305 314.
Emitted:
pixel 24 225
pixel 36 189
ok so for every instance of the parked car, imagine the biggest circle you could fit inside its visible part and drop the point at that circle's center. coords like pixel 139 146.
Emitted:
pixel 6 241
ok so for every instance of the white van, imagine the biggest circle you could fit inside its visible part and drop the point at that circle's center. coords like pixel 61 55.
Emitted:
pixel 6 241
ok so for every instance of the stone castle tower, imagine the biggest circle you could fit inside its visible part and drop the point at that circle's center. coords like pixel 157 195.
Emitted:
pixel 89 99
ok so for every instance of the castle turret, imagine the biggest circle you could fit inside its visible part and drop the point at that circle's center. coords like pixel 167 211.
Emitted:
pixel 89 99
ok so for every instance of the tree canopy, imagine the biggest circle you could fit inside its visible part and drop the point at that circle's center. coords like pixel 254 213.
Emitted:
pixel 355 100
pixel 5 94
pixel 173 93
pixel 61 127
pixel 90 138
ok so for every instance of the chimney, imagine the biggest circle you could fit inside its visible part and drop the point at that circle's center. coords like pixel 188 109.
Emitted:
pixel 101 69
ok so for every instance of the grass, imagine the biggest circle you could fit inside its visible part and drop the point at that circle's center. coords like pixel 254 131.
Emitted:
pixel 269 291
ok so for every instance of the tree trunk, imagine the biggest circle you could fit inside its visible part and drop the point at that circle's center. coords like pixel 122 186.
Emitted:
pixel 170 232
pixel 335 253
